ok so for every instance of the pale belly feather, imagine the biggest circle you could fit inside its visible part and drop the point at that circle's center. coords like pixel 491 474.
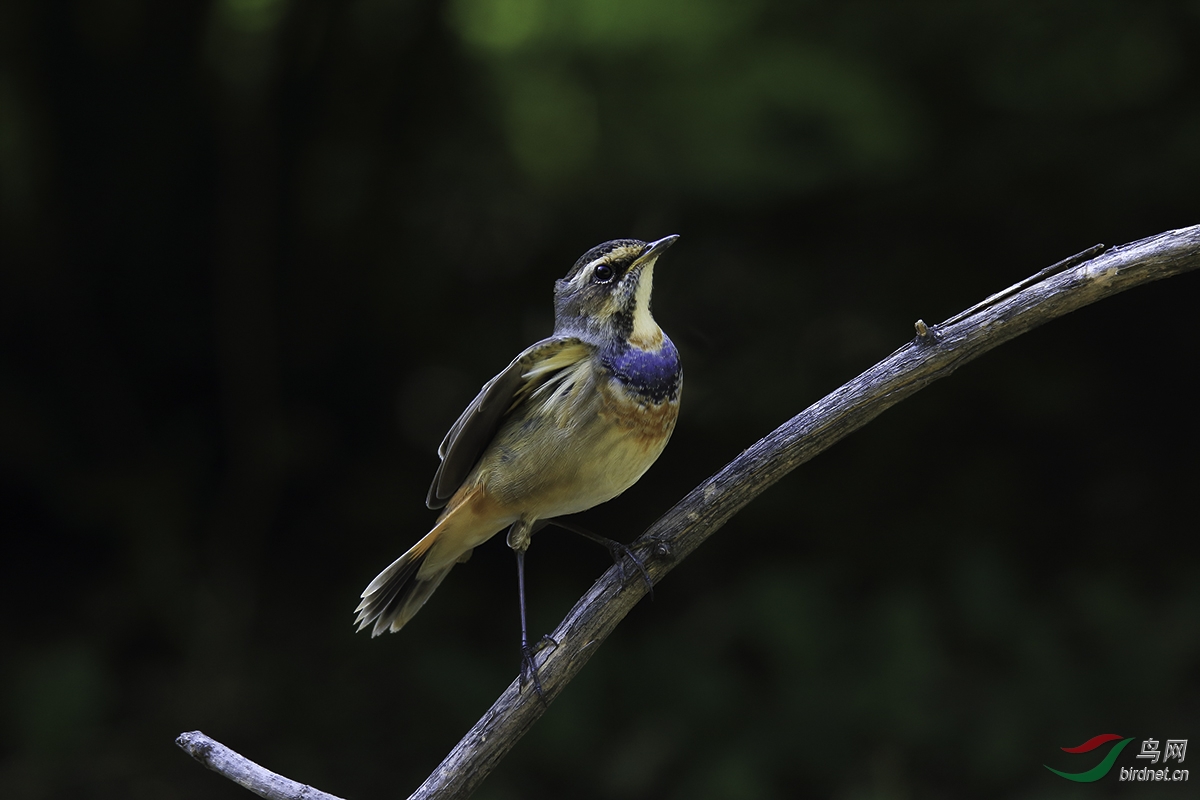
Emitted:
pixel 547 465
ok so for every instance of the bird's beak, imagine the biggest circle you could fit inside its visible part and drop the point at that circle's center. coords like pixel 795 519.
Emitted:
pixel 654 250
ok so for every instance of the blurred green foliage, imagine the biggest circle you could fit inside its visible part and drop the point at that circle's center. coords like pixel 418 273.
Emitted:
pixel 258 254
pixel 685 95
pixel 713 109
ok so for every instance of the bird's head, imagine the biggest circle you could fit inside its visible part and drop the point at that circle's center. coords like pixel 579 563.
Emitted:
pixel 606 295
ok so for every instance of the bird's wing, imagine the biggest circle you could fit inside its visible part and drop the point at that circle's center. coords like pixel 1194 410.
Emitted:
pixel 471 434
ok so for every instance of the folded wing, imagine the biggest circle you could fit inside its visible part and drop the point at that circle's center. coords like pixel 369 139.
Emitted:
pixel 475 429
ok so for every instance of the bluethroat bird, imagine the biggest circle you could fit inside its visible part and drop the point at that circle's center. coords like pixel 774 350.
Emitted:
pixel 572 422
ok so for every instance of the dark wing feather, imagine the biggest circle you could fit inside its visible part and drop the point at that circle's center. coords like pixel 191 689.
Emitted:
pixel 474 430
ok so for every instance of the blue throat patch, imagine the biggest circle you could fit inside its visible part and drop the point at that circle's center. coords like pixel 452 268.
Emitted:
pixel 653 375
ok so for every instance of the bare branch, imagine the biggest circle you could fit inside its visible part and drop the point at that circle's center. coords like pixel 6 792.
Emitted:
pixel 245 772
pixel 934 353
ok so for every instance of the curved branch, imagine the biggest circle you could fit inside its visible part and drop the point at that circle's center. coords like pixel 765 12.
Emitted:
pixel 934 353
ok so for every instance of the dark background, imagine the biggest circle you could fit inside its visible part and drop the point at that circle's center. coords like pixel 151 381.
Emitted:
pixel 258 254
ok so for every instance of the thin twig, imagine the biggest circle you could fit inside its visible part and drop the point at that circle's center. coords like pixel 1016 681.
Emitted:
pixel 244 772
pixel 934 353
pixel 1066 263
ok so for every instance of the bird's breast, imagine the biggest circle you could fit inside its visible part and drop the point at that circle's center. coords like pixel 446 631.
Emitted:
pixel 588 437
pixel 641 394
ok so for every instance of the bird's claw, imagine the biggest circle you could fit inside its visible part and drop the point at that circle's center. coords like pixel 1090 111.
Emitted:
pixel 617 550
pixel 529 670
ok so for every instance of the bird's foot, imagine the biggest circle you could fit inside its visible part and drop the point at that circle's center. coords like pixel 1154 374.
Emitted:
pixel 619 552
pixel 529 671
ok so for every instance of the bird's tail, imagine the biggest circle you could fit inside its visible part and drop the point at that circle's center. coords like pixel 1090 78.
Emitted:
pixel 399 591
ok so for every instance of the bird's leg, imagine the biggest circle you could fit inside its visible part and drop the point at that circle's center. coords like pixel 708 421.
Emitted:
pixel 615 549
pixel 518 539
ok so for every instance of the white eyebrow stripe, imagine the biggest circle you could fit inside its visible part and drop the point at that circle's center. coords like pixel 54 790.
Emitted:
pixel 619 254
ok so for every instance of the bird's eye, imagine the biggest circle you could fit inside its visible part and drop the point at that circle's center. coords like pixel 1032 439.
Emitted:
pixel 603 273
